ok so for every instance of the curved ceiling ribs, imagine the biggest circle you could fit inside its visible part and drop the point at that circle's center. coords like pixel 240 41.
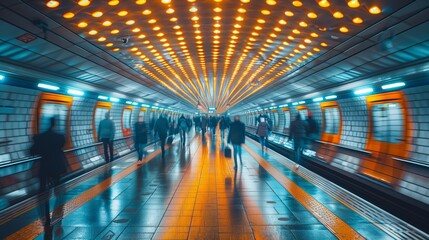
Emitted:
pixel 216 52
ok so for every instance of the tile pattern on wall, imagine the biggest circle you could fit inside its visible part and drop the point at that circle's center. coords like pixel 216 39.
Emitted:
pixel 355 122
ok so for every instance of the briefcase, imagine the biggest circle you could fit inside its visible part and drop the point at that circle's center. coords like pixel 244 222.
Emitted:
pixel 227 152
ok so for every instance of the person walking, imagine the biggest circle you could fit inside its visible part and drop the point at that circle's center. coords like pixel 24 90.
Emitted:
pixel 237 137
pixel 213 125
pixel 223 125
pixel 140 139
pixel 106 134
pixel 161 128
pixel 49 146
pixel 312 129
pixel 204 123
pixel 262 131
pixel 183 126
pixel 297 132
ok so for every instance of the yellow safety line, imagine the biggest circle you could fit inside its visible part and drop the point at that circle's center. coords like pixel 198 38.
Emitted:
pixel 35 228
pixel 332 222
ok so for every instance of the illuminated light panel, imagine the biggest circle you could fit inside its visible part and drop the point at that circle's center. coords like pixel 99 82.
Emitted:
pixel 107 23
pixel 113 2
pixel 42 85
pixel 152 21
pixel 170 11
pixel 75 92
pixel 146 12
pixel 193 9
pixel 357 20
pixel 245 1
pixel 93 32
pixel 166 1
pixel 82 24
pixel 122 13
pixel 363 91
pixel 315 35
pixel 289 13
pixel 311 15
pixel 218 10
pixel 140 2
pixel 338 14
pixel 52 4
pixel 303 24
pixel 393 85
pixel 101 39
pixel 68 15
pixel 97 14
pixel 296 31
pixel 374 10
pixel 109 44
pixel 297 3
pixel 344 29
pixel 282 22
pixel 353 3
pixel 266 12
pixel 84 3
pixel 330 97
pixel 241 10
pixel 130 22
pixel 324 3
pixel 114 31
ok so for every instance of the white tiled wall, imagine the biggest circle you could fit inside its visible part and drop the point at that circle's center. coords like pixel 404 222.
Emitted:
pixel 355 122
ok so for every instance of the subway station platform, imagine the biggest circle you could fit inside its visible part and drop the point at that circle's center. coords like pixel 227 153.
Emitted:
pixel 196 194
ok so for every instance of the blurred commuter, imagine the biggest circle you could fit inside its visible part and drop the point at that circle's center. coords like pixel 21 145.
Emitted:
pixel 204 124
pixel 171 129
pixel 197 123
pixel 262 131
pixel 106 134
pixel 223 124
pixel 140 139
pixel 297 132
pixel 213 125
pixel 312 129
pixel 237 137
pixel 183 126
pixel 49 145
pixel 161 128
pixel 189 123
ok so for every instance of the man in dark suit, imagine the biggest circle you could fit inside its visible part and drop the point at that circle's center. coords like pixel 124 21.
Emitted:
pixel 237 137
pixel 161 127
pixel 49 145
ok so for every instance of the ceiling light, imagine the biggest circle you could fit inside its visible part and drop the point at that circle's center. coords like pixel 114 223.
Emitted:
pixel 82 24
pixel 297 3
pixel 245 1
pixel 265 12
pixel 353 3
pixel 338 14
pixel 271 2
pixel 357 20
pixel 107 23
pixel 296 31
pixel 282 22
pixel 75 92
pixel 241 10
pixel 324 3
pixel 289 13
pixel 109 44
pixel 42 85
pixel 101 39
pixel 166 1
pixel 152 21
pixel 114 31
pixel 313 34
pixel 52 4
pixel 122 13
pixel 68 15
pixel 130 22
pixel 303 24
pixel 146 12
pixel 393 85
pixel 140 2
pixel 375 10
pixel 193 9
pixel 218 9
pixel 363 91
pixel 97 14
pixel 84 3
pixel 344 29
pixel 311 15
pixel 331 97
pixel 92 32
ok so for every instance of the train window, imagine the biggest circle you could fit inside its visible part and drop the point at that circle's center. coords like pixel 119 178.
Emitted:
pixel 276 119
pixel 99 115
pixel 126 118
pixel 332 120
pixel 388 122
pixel 142 115
pixel 287 119
pixel 59 111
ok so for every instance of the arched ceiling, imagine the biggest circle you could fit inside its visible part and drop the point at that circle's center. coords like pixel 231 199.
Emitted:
pixel 219 52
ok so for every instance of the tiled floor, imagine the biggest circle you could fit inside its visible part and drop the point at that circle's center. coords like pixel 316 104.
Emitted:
pixel 196 194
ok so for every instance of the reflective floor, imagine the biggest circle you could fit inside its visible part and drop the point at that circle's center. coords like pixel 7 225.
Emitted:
pixel 195 194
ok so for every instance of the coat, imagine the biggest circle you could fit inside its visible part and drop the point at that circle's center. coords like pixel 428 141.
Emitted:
pixel 106 129
pixel 140 133
pixel 237 132
pixel 161 127
pixel 49 145
pixel 263 129
pixel 297 130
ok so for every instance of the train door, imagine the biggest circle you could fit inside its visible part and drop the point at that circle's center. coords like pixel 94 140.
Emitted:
pixel 57 106
pixel 389 136
pixel 331 122
pixel 286 114
pixel 126 121
pixel 331 131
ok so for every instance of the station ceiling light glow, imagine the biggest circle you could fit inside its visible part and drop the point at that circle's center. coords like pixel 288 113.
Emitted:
pixel 197 49
pixel 330 97
pixel 363 91
pixel 2 77
pixel 75 92
pixel 103 97
pixel 318 99
pixel 393 85
pixel 113 99
pixel 46 86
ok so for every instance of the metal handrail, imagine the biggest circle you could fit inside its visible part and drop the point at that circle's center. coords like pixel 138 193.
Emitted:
pixel 31 159
pixel 411 161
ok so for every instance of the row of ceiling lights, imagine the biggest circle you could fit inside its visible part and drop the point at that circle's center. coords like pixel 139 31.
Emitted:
pixel 297 54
